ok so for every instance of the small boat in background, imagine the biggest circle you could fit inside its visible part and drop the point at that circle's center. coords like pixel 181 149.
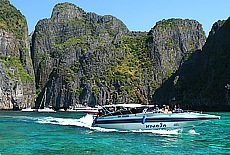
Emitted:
pixel 46 110
pixel 89 110
pixel 82 109
pixel 29 110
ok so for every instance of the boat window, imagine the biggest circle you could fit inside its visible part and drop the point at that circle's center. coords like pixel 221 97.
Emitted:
pixel 112 114
pixel 139 110
pixel 116 113
pixel 108 114
pixel 126 112
pixel 121 111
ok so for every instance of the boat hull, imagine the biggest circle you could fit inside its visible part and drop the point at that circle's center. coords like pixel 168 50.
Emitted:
pixel 152 121
pixel 150 126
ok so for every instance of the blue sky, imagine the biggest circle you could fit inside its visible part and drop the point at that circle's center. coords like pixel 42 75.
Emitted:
pixel 138 15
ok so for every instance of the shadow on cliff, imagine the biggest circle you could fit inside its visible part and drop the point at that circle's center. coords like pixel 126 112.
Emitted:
pixel 201 81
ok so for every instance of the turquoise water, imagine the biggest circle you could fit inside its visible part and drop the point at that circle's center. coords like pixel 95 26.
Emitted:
pixel 70 133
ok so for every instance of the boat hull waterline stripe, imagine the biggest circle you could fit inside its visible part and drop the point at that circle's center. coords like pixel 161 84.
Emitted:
pixel 99 121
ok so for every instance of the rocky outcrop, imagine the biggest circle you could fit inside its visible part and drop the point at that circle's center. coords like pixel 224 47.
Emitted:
pixel 17 86
pixel 171 42
pixel 84 57
pixel 202 82
pixel 71 51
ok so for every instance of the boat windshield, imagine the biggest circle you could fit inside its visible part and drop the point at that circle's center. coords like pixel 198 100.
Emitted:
pixel 121 111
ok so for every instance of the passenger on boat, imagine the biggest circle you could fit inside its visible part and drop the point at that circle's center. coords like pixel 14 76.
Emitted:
pixel 169 109
pixel 100 112
pixel 145 110
pixel 151 108
pixel 157 108
pixel 166 110
pixel 177 109
pixel 111 109
pixel 134 110
pixel 163 109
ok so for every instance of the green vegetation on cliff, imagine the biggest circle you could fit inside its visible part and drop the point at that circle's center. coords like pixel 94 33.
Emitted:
pixel 12 20
pixel 14 64
pixel 85 57
pixel 17 78
pixel 92 58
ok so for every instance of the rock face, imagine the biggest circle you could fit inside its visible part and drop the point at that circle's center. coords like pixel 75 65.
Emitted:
pixel 17 85
pixel 171 42
pixel 84 57
pixel 81 57
pixel 202 82
pixel 71 51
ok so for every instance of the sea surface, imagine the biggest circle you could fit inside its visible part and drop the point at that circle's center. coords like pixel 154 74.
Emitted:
pixel 70 133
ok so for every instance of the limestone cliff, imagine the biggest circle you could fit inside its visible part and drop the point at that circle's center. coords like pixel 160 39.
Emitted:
pixel 17 86
pixel 84 57
pixel 71 52
pixel 80 56
pixel 202 82
pixel 171 42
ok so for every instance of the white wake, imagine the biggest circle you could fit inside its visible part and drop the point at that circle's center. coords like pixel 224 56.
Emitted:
pixel 85 121
pixel 193 132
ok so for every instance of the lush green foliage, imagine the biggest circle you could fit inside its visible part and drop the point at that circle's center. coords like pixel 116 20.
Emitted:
pixel 12 20
pixel 99 55
pixel 19 71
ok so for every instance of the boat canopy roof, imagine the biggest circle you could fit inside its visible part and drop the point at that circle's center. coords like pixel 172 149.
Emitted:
pixel 126 105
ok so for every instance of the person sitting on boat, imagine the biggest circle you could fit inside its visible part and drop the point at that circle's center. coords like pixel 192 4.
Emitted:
pixel 169 109
pixel 134 110
pixel 177 109
pixel 145 110
pixel 163 109
pixel 151 108
pixel 166 109
pixel 157 108
pixel 100 112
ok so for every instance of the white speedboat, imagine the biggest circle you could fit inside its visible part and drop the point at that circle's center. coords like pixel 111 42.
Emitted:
pixel 46 110
pixel 89 110
pixel 29 110
pixel 128 120
pixel 85 109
